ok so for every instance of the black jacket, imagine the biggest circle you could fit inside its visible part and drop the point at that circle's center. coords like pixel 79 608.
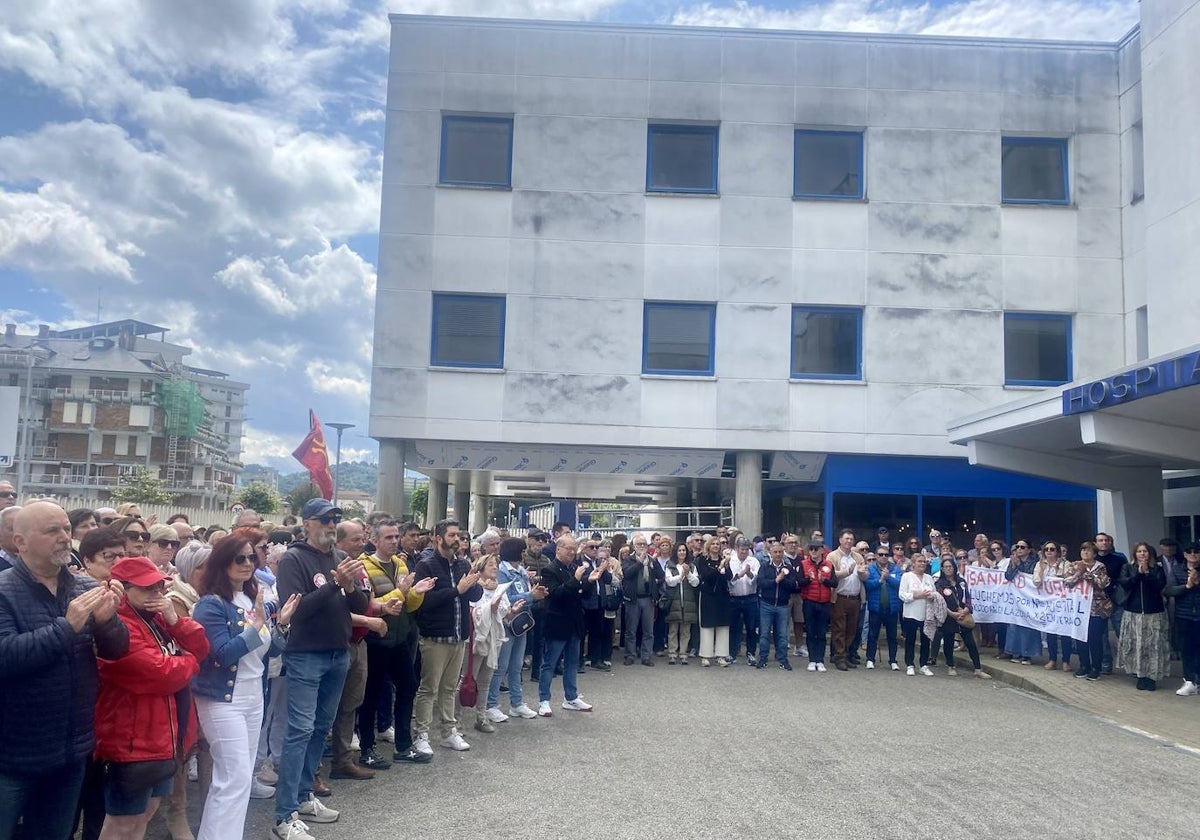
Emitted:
pixel 444 613
pixel 564 600
pixel 777 595
pixel 48 681
pixel 715 610
pixel 322 619
pixel 1143 592
pixel 632 578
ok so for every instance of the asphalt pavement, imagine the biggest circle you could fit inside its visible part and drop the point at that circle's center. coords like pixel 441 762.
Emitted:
pixel 675 752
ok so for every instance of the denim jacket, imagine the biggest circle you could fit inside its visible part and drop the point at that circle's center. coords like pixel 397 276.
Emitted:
pixel 230 637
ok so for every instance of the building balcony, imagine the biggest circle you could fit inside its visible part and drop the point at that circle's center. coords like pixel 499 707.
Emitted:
pixel 95 395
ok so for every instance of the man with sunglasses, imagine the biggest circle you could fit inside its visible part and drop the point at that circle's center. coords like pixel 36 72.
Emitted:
pixel 106 516
pixel 8 544
pixel 8 495
pixel 329 584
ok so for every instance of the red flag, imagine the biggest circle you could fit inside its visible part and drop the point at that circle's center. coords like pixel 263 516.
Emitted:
pixel 313 455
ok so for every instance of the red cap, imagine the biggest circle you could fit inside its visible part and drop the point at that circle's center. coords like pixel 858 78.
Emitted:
pixel 140 571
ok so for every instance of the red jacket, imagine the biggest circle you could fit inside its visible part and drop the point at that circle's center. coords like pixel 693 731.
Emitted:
pixel 816 590
pixel 136 715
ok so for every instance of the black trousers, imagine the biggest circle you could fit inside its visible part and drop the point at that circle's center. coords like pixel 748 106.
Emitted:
pixel 394 664
pixel 913 631
pixel 949 630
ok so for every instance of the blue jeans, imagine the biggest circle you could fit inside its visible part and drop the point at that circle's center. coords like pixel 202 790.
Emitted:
pixel 47 802
pixel 315 680
pixel 745 622
pixel 816 626
pixel 557 649
pixel 771 618
pixel 508 667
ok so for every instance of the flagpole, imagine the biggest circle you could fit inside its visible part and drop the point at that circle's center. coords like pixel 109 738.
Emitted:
pixel 337 468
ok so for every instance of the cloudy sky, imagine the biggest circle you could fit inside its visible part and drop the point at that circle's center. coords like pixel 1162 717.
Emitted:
pixel 214 167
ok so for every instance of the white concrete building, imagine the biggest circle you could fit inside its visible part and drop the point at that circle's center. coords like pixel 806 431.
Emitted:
pixel 689 266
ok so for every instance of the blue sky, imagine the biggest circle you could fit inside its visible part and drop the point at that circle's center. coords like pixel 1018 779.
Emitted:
pixel 214 167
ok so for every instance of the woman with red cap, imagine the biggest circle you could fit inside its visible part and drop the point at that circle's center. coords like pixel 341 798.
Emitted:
pixel 144 716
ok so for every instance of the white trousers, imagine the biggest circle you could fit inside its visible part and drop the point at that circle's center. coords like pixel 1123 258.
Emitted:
pixel 231 730
pixel 714 641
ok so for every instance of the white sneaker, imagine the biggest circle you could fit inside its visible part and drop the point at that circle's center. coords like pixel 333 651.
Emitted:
pixel 812 666
pixel 314 811
pixel 577 705
pixel 895 667
pixel 544 709
pixel 292 829
pixel 911 671
pixel 802 651
pixel 388 735
pixel 193 770
pixel 494 715
pixel 354 744
pixel 925 671
pixel 1189 689
pixel 455 741
pixel 260 791
pixel 267 774
pixel 870 665
pixel 421 744
pixel 820 667
pixel 952 672
pixel 523 711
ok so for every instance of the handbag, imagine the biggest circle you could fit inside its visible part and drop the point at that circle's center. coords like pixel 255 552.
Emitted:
pixel 521 623
pixel 468 690
pixel 967 622
pixel 133 778
pixel 663 603
pixel 612 597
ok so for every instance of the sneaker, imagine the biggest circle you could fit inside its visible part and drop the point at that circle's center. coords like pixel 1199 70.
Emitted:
pixel 1081 675
pixel 193 770
pixel 267 774
pixel 421 744
pixel 411 756
pixel 723 662
pixel 388 735
pixel 577 705
pixel 494 715
pixel 292 829
pixel 372 760
pixel 523 711
pixel 982 674
pixel 455 741
pixel 925 671
pixel 751 660
pixel 354 742
pixel 544 709
pixel 870 665
pixel 260 791
pixel 785 665
pixel 704 663
pixel 812 666
pixel 911 671
pixel 952 672
pixel 1093 676
pixel 820 667
pixel 485 726
pixel 802 651
pixel 895 666
pixel 1188 690
pixel 761 665
pixel 314 811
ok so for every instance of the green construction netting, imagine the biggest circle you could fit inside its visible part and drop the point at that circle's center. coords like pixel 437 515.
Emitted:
pixel 180 400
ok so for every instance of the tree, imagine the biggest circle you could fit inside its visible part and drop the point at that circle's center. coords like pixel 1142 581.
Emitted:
pixel 419 503
pixel 143 488
pixel 353 510
pixel 302 494
pixel 259 496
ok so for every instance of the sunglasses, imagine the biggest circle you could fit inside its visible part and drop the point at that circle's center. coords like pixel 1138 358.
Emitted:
pixel 997 548
pixel 8 494
pixel 140 536
pixel 329 519
pixel 108 520
pixel 167 543
pixel 960 557
pixel 243 559
pixel 261 547
pixel 1050 550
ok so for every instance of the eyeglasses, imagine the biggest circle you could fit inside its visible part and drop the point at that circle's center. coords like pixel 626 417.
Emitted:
pixel 140 536
pixel 167 543
pixel 107 557
pixel 261 547
pixel 243 559
pixel 329 519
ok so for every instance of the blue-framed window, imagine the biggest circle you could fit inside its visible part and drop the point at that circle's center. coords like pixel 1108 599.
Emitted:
pixel 678 339
pixel 1037 348
pixel 681 158
pixel 826 342
pixel 476 151
pixel 468 331
pixel 828 164
pixel 1033 170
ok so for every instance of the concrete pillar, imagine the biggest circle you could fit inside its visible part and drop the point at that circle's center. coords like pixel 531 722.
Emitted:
pixel 479 512
pixel 390 493
pixel 461 479
pixel 747 495
pixel 436 509
pixel 1138 510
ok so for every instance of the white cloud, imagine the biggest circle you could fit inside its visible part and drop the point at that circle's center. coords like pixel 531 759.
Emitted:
pixel 260 447
pixel 1101 20
pixel 41 233
pixel 338 379
pixel 310 284
pixel 369 116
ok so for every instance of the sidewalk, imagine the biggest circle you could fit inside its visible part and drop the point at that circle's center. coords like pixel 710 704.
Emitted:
pixel 1115 698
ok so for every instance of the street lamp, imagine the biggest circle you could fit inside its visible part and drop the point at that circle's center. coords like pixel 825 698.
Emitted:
pixel 341 427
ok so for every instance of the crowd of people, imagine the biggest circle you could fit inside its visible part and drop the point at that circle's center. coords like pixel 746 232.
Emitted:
pixel 136 655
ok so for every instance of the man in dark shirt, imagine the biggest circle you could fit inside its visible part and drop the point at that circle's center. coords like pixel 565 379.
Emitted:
pixel 330 586
pixel 1113 561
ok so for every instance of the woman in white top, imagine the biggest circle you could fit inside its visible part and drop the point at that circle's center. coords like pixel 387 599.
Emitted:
pixel 487 634
pixel 916 588
pixel 229 688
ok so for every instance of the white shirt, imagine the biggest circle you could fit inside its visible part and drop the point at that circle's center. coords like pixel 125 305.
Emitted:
pixel 850 585
pixel 748 585
pixel 251 666
pixel 910 584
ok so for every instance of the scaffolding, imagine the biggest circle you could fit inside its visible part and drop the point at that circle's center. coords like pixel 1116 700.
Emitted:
pixel 183 412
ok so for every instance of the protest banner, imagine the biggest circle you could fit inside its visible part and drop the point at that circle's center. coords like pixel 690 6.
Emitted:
pixel 1052 607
